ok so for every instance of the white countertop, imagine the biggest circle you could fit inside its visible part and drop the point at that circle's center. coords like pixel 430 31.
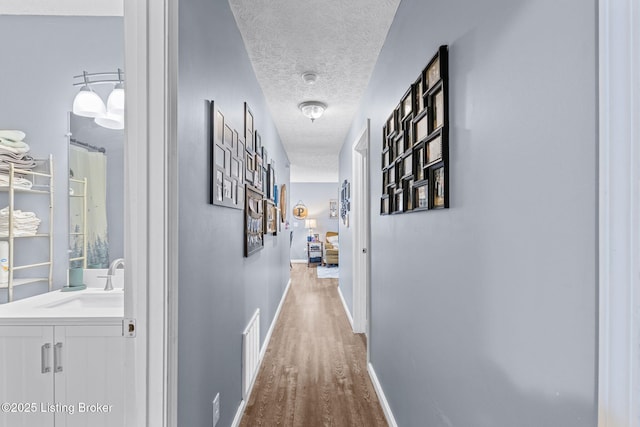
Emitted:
pixel 87 307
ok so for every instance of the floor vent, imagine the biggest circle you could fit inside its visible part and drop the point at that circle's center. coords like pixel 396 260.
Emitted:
pixel 250 352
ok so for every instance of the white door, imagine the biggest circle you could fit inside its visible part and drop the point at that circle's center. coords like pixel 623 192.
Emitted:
pixel 26 376
pixel 360 204
pixel 90 375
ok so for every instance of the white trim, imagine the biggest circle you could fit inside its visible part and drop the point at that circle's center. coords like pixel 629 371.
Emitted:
pixel 151 223
pixel 619 214
pixel 381 397
pixel 240 411
pixel 298 261
pixel 346 309
pixel 360 203
pixel 62 7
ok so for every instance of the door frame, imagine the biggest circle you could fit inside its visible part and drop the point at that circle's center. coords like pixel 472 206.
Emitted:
pixel 151 223
pixel 619 214
pixel 361 231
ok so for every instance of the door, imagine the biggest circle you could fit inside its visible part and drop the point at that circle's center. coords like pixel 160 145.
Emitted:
pixel 90 375
pixel 361 250
pixel 26 372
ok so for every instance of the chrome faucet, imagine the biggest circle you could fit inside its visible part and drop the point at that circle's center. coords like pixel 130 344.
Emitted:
pixel 112 272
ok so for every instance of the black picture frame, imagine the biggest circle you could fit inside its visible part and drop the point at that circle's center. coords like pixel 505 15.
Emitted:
pixel 270 217
pixel 415 144
pixel 226 166
pixel 249 127
pixel 253 222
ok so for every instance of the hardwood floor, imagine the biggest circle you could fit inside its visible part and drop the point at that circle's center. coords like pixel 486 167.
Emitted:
pixel 314 372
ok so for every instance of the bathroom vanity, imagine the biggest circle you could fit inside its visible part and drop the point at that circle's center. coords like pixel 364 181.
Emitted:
pixel 62 360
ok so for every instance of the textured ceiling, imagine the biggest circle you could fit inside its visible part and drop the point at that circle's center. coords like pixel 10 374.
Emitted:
pixel 340 41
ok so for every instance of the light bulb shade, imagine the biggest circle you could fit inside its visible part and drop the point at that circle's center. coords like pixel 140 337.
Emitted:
pixel 115 102
pixel 111 121
pixel 312 109
pixel 87 103
pixel 310 223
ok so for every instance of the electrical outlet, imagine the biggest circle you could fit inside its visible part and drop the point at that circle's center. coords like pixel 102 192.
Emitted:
pixel 216 409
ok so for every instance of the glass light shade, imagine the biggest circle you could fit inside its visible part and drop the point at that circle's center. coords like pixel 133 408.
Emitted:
pixel 115 102
pixel 87 103
pixel 111 121
pixel 312 109
pixel 310 223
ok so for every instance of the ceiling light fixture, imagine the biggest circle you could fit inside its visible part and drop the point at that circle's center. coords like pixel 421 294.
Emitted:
pixel 312 109
pixel 87 103
pixel 309 77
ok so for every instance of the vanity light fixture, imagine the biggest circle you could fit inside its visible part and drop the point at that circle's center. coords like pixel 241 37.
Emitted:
pixel 88 103
pixel 312 109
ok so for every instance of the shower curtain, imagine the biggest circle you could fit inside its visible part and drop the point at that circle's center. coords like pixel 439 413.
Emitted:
pixel 92 165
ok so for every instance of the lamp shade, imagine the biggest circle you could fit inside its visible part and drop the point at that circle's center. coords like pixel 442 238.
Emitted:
pixel 310 223
pixel 110 121
pixel 87 103
pixel 115 102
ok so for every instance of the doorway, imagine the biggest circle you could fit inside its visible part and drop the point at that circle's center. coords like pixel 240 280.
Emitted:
pixel 361 236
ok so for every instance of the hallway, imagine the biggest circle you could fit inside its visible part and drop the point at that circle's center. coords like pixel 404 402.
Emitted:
pixel 314 371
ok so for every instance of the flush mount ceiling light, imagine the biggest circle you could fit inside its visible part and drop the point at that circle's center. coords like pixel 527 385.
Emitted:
pixel 309 77
pixel 87 103
pixel 312 109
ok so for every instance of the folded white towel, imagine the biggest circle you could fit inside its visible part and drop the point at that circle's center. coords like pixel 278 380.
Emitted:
pixel 15 135
pixel 24 223
pixel 17 182
pixel 19 147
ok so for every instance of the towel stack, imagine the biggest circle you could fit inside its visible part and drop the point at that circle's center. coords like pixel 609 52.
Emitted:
pixel 24 223
pixel 14 150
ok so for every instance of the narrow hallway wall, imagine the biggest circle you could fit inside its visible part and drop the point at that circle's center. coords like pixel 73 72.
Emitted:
pixel 219 289
pixel 485 314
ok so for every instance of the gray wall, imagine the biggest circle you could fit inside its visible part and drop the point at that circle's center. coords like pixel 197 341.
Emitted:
pixel 219 288
pixel 316 197
pixel 42 54
pixel 485 314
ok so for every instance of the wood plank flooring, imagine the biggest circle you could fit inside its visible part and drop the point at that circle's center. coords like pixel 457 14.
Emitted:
pixel 314 372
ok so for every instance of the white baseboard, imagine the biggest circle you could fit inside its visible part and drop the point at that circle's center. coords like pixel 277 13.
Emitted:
pixel 381 397
pixel 239 413
pixel 298 261
pixel 346 309
pixel 265 344
pixel 270 331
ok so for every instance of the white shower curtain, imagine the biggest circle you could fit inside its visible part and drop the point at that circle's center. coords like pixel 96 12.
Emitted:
pixel 93 166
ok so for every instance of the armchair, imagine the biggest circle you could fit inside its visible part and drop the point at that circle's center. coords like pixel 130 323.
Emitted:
pixel 331 248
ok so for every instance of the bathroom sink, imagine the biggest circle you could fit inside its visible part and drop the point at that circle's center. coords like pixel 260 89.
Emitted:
pixel 90 300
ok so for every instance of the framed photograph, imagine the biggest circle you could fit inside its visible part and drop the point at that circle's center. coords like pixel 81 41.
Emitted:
pixel 434 150
pixel 257 178
pixel 270 217
pixel 265 154
pixel 333 208
pixel 408 165
pixel 408 195
pixel 407 103
pixel 253 222
pixel 398 203
pixel 384 205
pixel 421 199
pixel 228 136
pixel 265 180
pixel 240 147
pixel 421 127
pixel 432 74
pixel 418 157
pixel 437 110
pixel 234 191
pixel 258 143
pixel 271 183
pixel 248 129
pixel 219 178
pixel 418 96
pixel 225 163
pixel 438 188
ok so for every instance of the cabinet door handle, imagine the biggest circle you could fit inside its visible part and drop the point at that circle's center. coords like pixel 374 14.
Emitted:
pixel 57 357
pixel 44 358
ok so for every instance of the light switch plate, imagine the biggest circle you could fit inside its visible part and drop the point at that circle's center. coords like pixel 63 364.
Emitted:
pixel 216 409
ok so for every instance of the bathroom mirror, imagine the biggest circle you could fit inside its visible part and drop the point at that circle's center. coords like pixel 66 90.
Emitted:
pixel 96 193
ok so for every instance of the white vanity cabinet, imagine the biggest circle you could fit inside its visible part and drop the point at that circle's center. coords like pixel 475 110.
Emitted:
pixel 62 375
